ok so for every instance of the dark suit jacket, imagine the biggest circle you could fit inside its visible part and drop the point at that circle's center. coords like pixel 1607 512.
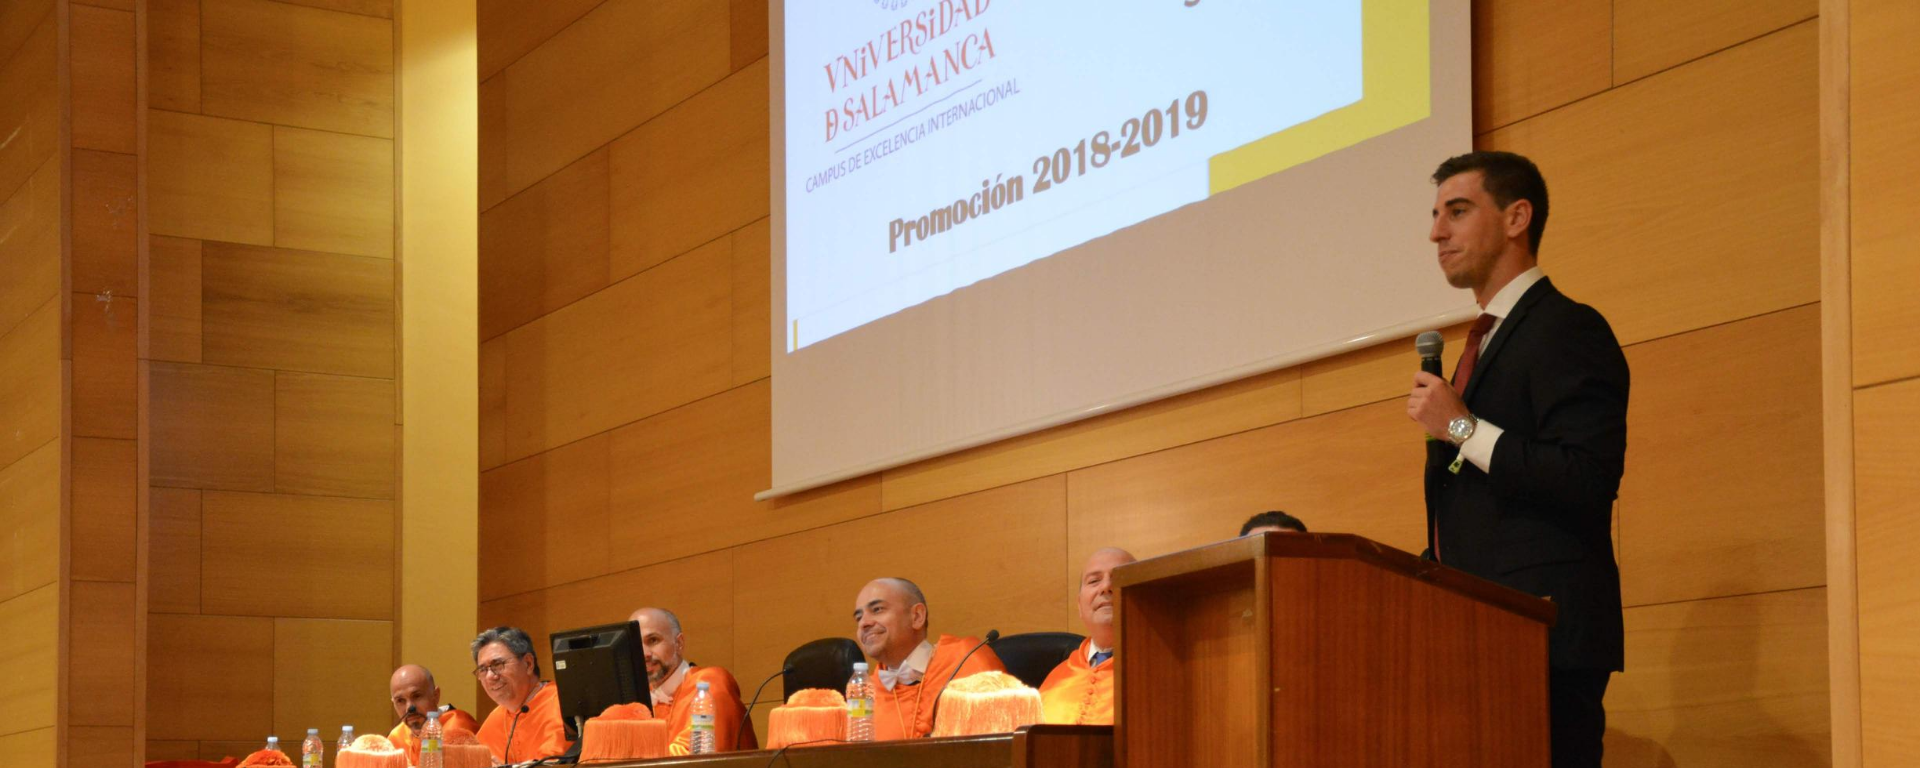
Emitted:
pixel 1555 381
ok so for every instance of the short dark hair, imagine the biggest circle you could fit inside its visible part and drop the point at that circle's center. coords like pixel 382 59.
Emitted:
pixel 1274 518
pixel 1507 177
pixel 514 638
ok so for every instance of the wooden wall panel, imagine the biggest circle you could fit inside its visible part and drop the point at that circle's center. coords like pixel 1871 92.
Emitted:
pixel 173 582
pixel 30 513
pixel 380 8
pixel 543 519
pixel 29 695
pixel 615 68
pixel 100 653
pixel 643 345
pixel 30 272
pixel 175 750
pixel 99 746
pixel 100 54
pixel 18 21
pixel 1235 407
pixel 493 403
pixel 493 143
pixel 692 174
pixel 209 178
pixel 173 309
pixel 173 55
pixel 1887 523
pixel 747 28
pixel 296 556
pixel 508 29
pixel 30 410
pixel 1381 372
pixel 1758 526
pixel 544 248
pixel 683 482
pixel 1531 57
pixel 326 672
pixel 31 112
pixel 106 244
pixel 297 310
pixel 102 545
pixel 1738 681
pixel 1730 140
pixel 1649 35
pixel 1886 276
pixel 210 677
pixel 212 427
pixel 332 192
pixel 752 292
pixel 35 747
pixel 104 392
pixel 333 435
pixel 289 65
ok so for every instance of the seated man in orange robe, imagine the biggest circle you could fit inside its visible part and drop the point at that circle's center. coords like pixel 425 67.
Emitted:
pixel 1080 690
pixel 890 616
pixel 525 722
pixel 675 681
pixel 414 695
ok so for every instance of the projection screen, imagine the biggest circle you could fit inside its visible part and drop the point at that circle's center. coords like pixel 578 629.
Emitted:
pixel 995 216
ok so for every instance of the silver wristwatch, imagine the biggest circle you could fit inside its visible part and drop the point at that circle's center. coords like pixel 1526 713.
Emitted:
pixel 1460 429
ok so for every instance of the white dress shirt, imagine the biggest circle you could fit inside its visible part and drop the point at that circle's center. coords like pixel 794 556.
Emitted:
pixel 911 670
pixel 664 693
pixel 1479 449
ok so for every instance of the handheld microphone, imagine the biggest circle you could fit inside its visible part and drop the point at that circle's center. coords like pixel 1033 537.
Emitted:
pixel 746 718
pixel 992 635
pixel 1429 344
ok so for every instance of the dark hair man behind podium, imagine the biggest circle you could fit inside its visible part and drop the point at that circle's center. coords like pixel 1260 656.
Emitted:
pixel 1530 437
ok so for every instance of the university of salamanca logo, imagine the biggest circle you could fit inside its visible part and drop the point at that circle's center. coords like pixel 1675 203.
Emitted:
pixel 891 5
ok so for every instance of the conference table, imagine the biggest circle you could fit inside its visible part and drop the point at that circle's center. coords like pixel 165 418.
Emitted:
pixel 1034 746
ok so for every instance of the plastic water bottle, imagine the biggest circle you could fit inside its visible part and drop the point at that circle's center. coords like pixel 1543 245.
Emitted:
pixel 346 740
pixel 430 753
pixel 701 740
pixel 859 704
pixel 273 744
pixel 313 752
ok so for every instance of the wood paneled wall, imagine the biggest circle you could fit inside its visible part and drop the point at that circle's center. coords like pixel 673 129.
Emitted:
pixel 1874 274
pixel 625 400
pixel 271 370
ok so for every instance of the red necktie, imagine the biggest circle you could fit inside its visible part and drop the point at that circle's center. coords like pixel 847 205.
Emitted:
pixel 1464 373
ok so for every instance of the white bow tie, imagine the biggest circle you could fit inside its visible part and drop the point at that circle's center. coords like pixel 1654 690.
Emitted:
pixel 903 676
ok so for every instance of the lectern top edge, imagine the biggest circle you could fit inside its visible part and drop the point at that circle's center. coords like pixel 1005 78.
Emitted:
pixel 1246 549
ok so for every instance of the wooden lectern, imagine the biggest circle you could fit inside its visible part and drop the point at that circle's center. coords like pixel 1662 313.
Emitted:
pixel 1325 650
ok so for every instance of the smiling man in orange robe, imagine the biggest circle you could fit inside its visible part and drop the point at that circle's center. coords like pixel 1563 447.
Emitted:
pixel 675 681
pixel 890 619
pixel 1080 690
pixel 525 724
pixel 414 695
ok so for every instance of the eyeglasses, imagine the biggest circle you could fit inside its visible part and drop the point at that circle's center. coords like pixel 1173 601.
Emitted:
pixel 493 668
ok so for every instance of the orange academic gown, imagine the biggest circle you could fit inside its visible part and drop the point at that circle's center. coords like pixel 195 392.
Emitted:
pixel 906 712
pixel 729 715
pixel 539 734
pixel 450 719
pixel 1076 694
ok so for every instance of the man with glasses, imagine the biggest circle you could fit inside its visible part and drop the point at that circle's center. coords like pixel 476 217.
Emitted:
pixel 525 723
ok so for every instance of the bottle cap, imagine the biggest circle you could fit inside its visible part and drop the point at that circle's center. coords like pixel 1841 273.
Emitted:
pixel 433 715
pixel 702 685
pixel 313 731
pixel 859 666
pixel 273 739
pixel 347 728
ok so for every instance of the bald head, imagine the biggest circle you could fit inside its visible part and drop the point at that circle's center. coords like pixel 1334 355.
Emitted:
pixel 661 641
pixel 890 619
pixel 414 694
pixel 1096 592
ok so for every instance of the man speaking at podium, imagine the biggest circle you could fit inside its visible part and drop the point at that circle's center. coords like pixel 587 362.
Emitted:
pixel 1530 437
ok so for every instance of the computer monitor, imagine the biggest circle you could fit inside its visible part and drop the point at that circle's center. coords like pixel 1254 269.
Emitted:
pixel 596 668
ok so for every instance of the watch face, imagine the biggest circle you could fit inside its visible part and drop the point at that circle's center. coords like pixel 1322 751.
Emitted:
pixel 1460 429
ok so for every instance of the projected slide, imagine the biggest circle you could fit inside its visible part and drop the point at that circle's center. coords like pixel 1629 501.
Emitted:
pixel 931 144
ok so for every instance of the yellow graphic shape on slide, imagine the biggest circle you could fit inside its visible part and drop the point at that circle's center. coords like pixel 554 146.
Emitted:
pixel 1395 92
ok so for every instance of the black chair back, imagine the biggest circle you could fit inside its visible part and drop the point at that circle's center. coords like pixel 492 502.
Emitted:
pixel 824 663
pixel 1033 655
